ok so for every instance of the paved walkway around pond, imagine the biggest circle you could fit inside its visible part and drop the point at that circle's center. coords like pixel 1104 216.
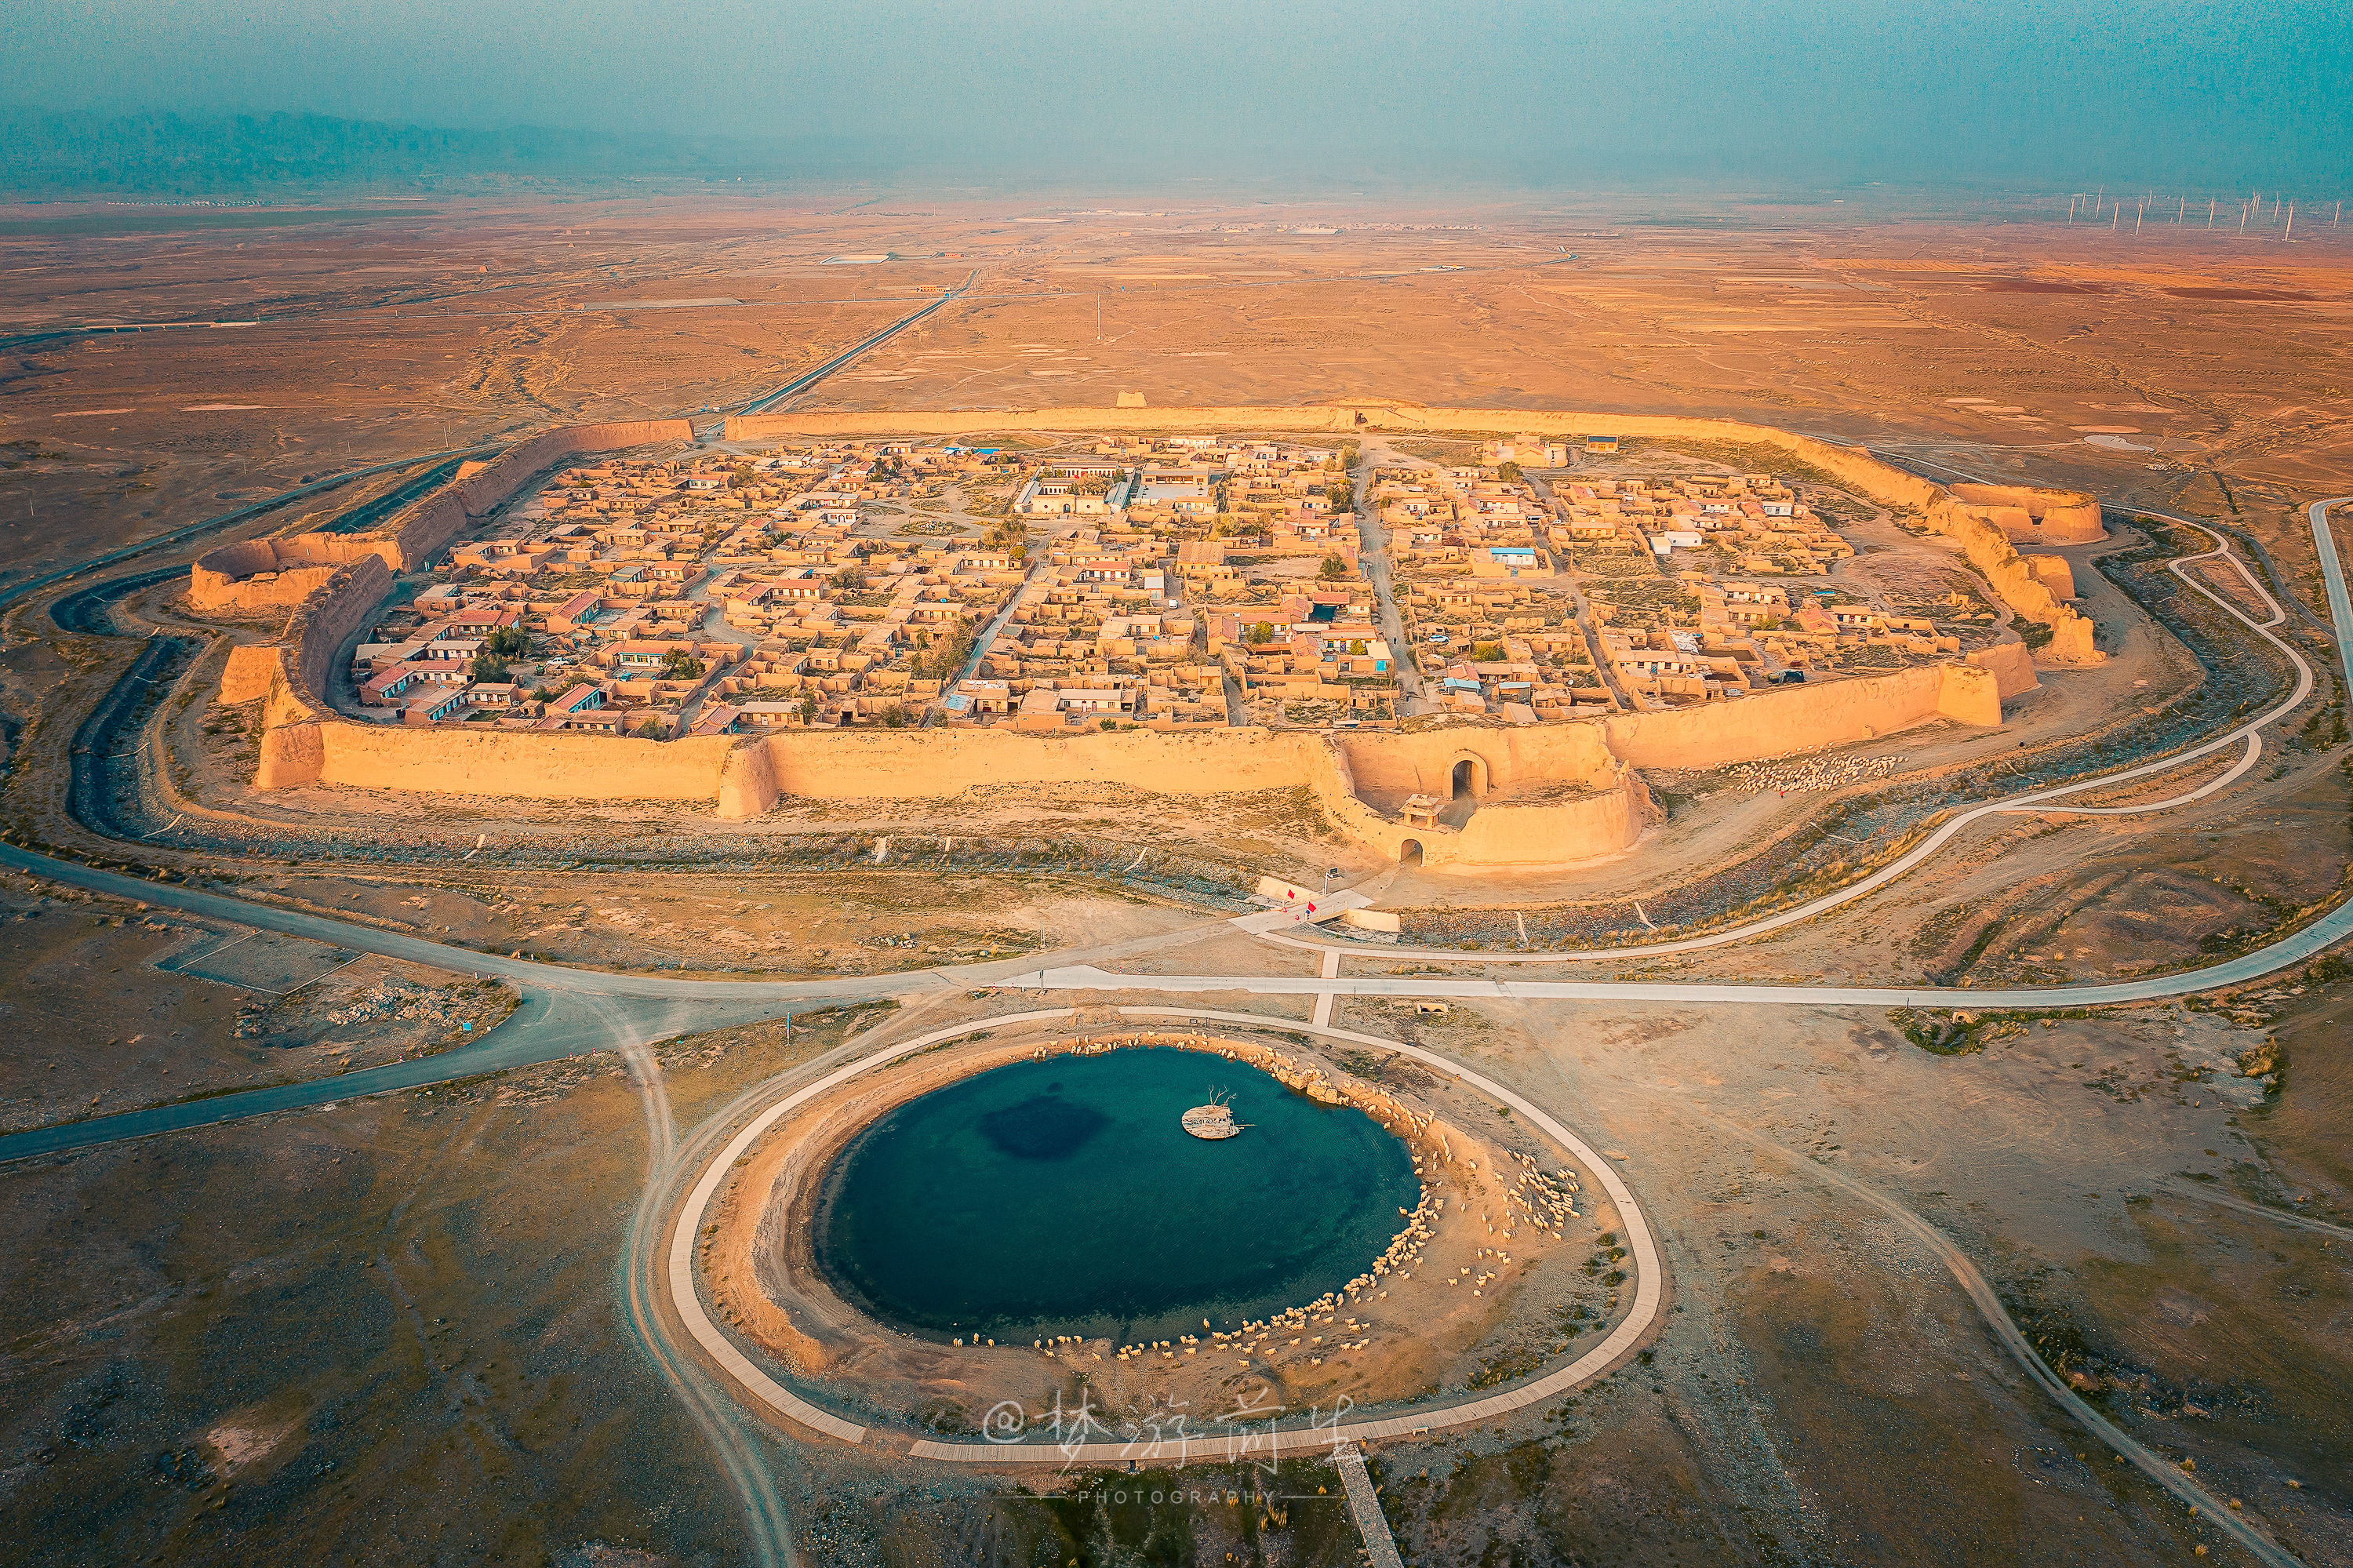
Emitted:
pixel 1008 1443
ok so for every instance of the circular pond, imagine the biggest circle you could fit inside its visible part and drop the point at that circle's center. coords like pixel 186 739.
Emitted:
pixel 1064 1196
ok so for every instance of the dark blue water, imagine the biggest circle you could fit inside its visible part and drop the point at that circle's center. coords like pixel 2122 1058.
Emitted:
pixel 366 515
pixel 1062 1197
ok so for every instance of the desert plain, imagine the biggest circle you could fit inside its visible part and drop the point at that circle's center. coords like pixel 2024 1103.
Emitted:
pixel 440 1322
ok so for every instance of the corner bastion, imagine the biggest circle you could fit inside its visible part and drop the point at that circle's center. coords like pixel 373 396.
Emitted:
pixel 281 571
pixel 2029 517
pixel 1546 794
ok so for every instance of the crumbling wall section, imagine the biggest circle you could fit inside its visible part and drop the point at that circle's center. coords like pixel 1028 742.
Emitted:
pixel 251 671
pixel 2031 516
pixel 270 574
pixel 1988 548
pixel 2013 665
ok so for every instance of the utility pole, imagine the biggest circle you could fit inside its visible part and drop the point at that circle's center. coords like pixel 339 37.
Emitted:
pixel 2291 222
pixel 2138 213
pixel 2210 212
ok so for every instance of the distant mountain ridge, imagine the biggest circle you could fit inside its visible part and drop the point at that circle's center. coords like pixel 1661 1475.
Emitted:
pixel 190 155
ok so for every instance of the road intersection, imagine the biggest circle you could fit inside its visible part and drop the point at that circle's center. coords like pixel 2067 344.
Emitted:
pixel 567 1010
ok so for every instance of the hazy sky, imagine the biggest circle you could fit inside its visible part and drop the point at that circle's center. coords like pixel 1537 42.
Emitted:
pixel 2059 95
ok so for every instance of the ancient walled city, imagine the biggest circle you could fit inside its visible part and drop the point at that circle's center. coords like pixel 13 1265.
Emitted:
pixel 876 607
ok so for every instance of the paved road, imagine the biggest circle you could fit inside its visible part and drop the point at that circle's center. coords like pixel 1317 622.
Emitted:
pixel 2332 577
pixel 546 1027
pixel 2286 953
pixel 16 591
pixel 564 1011
pixel 800 384
pixel 1303 1436
pixel 692 1004
pixel 987 637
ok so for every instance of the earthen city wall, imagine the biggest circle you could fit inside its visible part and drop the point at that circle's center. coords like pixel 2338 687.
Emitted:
pixel 1601 807
pixel 238 575
pixel 2029 516
pixel 222 579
